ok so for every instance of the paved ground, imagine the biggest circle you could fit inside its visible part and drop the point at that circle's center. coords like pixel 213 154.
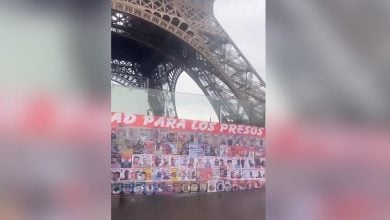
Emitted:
pixel 240 205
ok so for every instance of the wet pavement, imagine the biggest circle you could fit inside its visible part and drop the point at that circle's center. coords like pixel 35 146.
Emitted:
pixel 238 205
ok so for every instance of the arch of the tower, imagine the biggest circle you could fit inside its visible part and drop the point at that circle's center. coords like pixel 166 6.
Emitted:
pixel 156 49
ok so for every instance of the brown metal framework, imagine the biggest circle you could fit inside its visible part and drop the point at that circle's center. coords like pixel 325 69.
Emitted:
pixel 187 37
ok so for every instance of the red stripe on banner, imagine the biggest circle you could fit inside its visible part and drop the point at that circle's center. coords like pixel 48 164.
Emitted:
pixel 176 124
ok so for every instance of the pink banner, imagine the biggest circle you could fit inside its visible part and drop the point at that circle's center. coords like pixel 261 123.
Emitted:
pixel 176 124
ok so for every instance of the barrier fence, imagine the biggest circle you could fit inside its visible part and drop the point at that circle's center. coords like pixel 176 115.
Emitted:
pixel 159 155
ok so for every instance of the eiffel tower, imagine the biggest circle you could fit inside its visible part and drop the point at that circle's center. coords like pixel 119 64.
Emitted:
pixel 154 41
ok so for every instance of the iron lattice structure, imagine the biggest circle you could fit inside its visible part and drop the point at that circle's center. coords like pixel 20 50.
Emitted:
pixel 154 41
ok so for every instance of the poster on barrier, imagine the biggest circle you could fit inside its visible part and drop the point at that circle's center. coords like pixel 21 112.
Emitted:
pixel 192 174
pixel 164 188
pixel 208 149
pixel 191 162
pixel 235 185
pixel 223 172
pixel 204 174
pixel 262 182
pixel 156 174
pixel 127 188
pixel 239 151
pixel 252 173
pixel 149 188
pixel 186 187
pixel 183 174
pixel 154 135
pixel 215 173
pixel 116 159
pixel 177 187
pixel 194 187
pixel 115 175
pixel 220 185
pixel 202 186
pixel 175 174
pixel 250 184
pixel 208 162
pixel 165 174
pixel 193 149
pixel 229 163
pixel 212 186
pixel 142 160
pixel 238 174
pixel 231 174
pixel 149 147
pixel 156 161
pixel 228 185
pixel 166 161
pixel 138 148
pixel 257 184
pixel 200 162
pixel 116 188
pixel 175 161
pixel 125 174
pixel 138 174
pixel 156 155
pixel 184 159
pixel 148 174
pixel 138 188
pixel 242 185
pixel 166 148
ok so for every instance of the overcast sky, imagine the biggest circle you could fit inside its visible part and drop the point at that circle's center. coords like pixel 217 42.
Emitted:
pixel 244 21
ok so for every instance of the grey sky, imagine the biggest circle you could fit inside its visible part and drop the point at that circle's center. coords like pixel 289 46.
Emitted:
pixel 244 21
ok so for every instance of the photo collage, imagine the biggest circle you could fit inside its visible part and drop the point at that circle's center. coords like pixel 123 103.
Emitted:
pixel 149 161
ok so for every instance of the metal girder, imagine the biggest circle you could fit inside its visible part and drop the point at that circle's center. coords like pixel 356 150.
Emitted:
pixel 206 53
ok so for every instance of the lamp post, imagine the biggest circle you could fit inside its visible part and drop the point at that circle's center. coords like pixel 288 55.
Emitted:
pixel 220 114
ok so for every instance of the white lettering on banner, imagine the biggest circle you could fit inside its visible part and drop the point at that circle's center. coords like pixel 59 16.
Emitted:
pixel 247 129
pixel 117 117
pixel 148 120
pixel 232 129
pixel 240 129
pixel 170 123
pixel 211 127
pixel 181 124
pixel 223 127
pixel 203 125
pixel 193 126
pixel 159 122
pixel 129 118
pixel 253 131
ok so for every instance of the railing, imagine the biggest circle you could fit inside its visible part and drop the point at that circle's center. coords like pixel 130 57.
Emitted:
pixel 188 106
